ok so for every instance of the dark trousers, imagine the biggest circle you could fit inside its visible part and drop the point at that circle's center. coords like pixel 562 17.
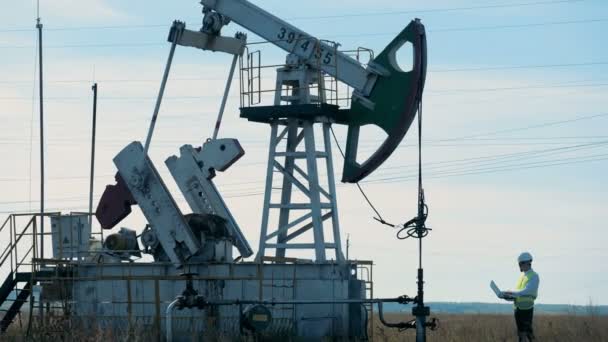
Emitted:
pixel 523 319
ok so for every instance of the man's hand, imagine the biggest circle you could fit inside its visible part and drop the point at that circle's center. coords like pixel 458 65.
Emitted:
pixel 508 294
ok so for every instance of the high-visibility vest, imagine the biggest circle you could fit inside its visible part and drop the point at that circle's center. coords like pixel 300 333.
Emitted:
pixel 525 302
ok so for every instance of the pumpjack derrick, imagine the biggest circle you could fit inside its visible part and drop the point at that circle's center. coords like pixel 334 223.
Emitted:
pixel 383 95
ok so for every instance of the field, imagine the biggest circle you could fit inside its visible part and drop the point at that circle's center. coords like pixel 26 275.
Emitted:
pixel 461 328
pixel 452 328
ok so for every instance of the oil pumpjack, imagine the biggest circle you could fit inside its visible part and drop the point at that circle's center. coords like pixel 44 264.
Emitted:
pixel 322 296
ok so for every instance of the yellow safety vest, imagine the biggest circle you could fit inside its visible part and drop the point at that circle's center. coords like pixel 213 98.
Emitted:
pixel 525 302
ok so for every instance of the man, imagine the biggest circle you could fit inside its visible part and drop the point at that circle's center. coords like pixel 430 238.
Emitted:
pixel 524 296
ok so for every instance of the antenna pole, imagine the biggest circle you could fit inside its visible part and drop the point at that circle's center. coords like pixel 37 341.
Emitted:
pixel 39 27
pixel 347 245
pixel 93 154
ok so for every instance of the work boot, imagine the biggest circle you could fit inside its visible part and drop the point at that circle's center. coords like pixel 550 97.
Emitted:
pixel 523 337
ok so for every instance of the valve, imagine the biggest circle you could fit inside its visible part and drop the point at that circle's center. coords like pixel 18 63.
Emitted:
pixel 190 298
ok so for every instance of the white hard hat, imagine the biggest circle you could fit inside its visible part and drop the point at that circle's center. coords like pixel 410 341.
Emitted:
pixel 523 257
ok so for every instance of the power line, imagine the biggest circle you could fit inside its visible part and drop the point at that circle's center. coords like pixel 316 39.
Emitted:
pixel 92 45
pixel 472 165
pixel 489 160
pixel 80 28
pixel 545 86
pixel 363 142
pixel 433 175
pixel 316 17
pixel 508 26
pixel 530 66
pixel 53 199
pixel 509 156
pixel 438 10
pixel 442 91
pixel 546 124
pixel 363 148
pixel 48 211
pixel 470 29
pixel 499 161
pixel 363 34
pixel 517 167
pixel 524 128
pixel 133 80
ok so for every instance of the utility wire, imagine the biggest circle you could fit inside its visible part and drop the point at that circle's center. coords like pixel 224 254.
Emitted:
pixel 112 145
pixel 438 10
pixel 431 165
pixel 542 86
pixel 530 66
pixel 508 157
pixel 316 17
pixel 476 171
pixel 546 124
pixel 509 26
pixel 555 162
pixel 197 97
pixel 465 29
pixel 535 126
pixel 132 80
pixel 363 142
pixel 450 169
pixel 362 34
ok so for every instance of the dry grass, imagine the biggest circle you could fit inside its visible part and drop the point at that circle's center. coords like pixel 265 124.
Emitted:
pixel 483 327
pixel 452 328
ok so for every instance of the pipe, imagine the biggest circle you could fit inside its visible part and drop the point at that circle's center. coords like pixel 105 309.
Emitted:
pixel 169 321
pixel 400 325
pixel 420 328
pixel 39 27
pixel 41 82
pixel 92 179
pixel 304 301
pixel 420 312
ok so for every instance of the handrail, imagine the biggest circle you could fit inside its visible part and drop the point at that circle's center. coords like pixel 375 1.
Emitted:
pixel 13 245
pixel 6 250
pixel 5 222
pixel 26 254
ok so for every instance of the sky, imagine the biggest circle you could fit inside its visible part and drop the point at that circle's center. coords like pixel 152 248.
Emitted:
pixel 515 136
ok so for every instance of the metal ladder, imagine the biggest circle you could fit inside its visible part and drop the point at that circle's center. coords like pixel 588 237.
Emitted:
pixel 321 204
pixel 10 258
pixel 365 273
pixel 16 257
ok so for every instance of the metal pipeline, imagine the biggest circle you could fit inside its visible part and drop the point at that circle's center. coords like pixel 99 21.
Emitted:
pixel 304 301
pixel 379 301
pixel 169 319
pixel 400 325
